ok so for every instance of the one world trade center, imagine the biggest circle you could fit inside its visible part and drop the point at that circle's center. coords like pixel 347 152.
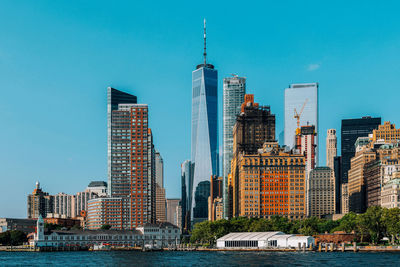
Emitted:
pixel 204 140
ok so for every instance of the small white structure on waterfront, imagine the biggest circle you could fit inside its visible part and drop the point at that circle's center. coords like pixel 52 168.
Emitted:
pixel 264 240
pixel 150 235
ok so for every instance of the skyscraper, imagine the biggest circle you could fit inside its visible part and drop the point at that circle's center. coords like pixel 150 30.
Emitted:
pixel 233 97
pixel 160 190
pixel 204 143
pixel 296 96
pixel 159 169
pixel 186 200
pixel 132 165
pixel 351 130
pixel 114 97
pixel 331 147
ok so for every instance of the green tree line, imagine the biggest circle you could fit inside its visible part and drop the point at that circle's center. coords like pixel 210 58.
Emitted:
pixel 12 238
pixel 370 226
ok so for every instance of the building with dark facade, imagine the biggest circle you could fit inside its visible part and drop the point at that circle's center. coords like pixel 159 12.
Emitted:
pixel 254 126
pixel 186 194
pixel 337 164
pixel 215 205
pixel 351 130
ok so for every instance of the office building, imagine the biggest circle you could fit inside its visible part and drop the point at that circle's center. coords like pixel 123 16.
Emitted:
pixel 204 140
pixel 390 194
pixel 321 192
pixel 186 194
pixel 270 183
pixel 114 98
pixel 64 204
pixel 97 187
pixel 233 97
pixel 306 144
pixel 356 181
pixel 351 130
pixel 215 203
pixel 337 164
pixel 344 198
pixel 159 169
pixel 298 96
pixel 39 203
pixel 160 204
pixel 160 190
pixel 386 132
pixel 254 126
pixel 331 147
pixel 172 209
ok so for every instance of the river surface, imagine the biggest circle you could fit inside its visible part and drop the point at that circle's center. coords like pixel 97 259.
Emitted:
pixel 177 258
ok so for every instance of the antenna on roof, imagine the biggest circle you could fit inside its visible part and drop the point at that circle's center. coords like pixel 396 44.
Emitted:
pixel 205 52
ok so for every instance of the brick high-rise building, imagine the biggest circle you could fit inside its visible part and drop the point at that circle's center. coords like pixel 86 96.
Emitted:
pixel 386 132
pixel 331 147
pixel 39 203
pixel 271 182
pixel 131 165
pixel 254 126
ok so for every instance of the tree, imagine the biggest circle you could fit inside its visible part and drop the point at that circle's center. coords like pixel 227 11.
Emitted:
pixel 391 220
pixel 348 223
pixel 105 227
pixel 362 226
pixel 13 238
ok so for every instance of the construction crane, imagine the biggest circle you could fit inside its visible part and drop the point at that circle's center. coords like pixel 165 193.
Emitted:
pixel 297 115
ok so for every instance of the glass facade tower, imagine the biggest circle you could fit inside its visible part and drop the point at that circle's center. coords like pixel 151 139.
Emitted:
pixel 295 97
pixel 233 97
pixel 204 147
pixel 351 130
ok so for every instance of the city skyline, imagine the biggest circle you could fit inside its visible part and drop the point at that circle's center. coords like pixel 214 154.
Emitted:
pixel 65 148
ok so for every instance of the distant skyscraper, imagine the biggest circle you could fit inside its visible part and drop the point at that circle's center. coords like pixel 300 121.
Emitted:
pixel 204 147
pixel 159 169
pixel 351 130
pixel 172 211
pixel 187 185
pixel 160 190
pixel 295 97
pixel 114 98
pixel 233 97
pixel 331 147
pixel 39 203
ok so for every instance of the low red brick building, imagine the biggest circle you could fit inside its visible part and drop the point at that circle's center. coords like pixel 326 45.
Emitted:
pixel 336 237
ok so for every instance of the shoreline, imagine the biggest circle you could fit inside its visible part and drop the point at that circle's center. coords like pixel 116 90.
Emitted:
pixel 338 249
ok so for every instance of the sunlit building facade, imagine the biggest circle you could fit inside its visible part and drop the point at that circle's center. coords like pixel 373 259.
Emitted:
pixel 233 97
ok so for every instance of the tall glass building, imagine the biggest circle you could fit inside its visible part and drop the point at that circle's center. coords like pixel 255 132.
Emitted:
pixel 204 147
pixel 114 98
pixel 233 97
pixel 351 130
pixel 295 97
pixel 186 193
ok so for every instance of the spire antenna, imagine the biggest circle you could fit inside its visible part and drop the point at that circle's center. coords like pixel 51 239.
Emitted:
pixel 205 51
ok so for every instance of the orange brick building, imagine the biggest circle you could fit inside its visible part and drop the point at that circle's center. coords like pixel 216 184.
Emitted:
pixel 271 182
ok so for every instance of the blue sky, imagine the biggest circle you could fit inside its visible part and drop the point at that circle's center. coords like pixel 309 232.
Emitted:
pixel 58 57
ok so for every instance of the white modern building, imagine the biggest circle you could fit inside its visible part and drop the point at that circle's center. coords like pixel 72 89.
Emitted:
pixel 264 240
pixel 153 235
pixel 296 96
pixel 233 97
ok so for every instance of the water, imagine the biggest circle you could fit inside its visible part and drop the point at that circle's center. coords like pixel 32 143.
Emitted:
pixel 176 258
